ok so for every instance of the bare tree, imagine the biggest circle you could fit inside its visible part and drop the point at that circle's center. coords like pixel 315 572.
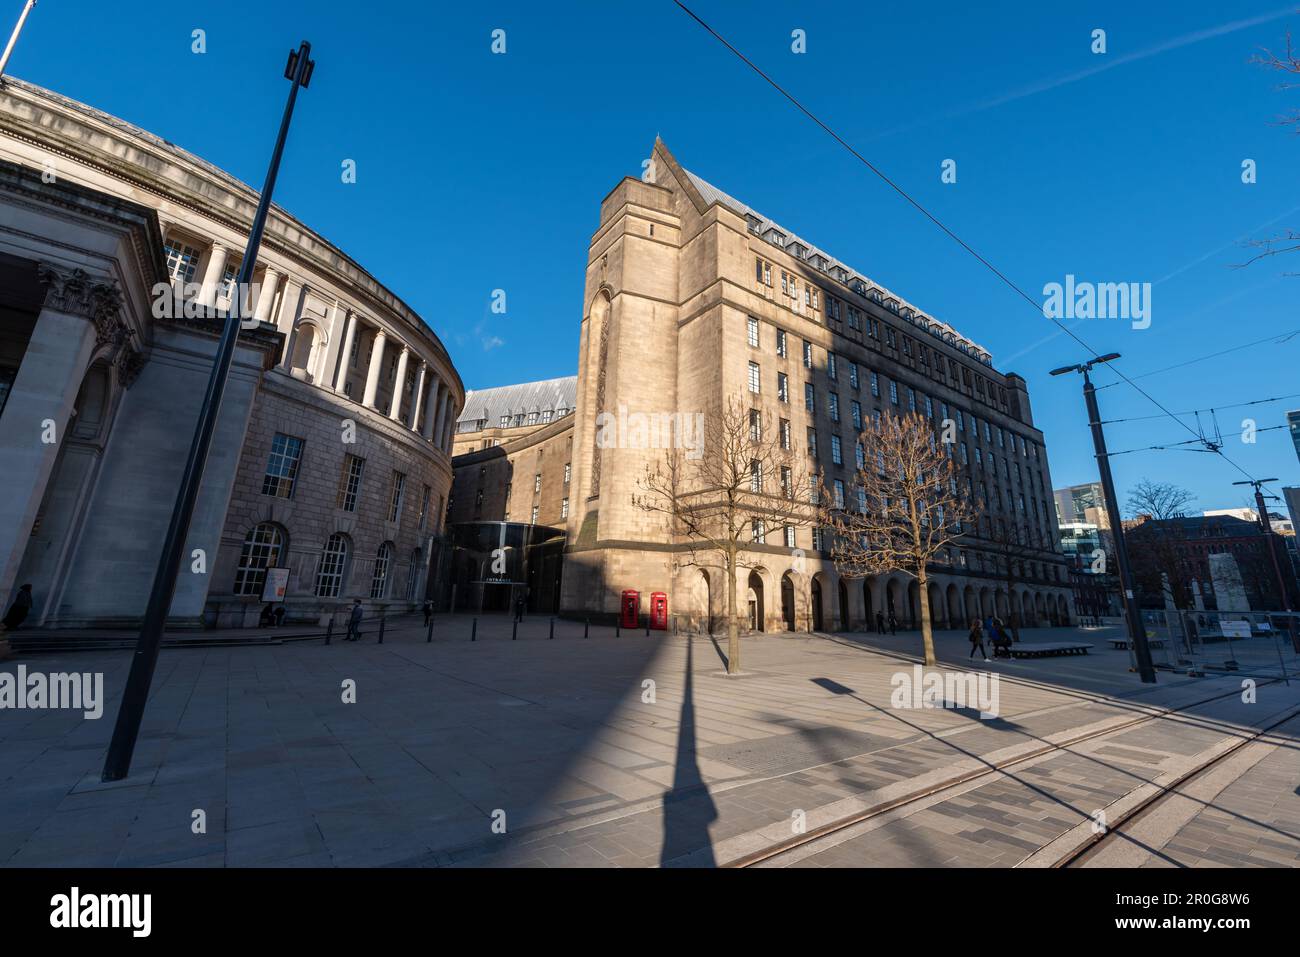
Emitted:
pixel 1160 500
pixel 744 482
pixel 1287 63
pixel 908 510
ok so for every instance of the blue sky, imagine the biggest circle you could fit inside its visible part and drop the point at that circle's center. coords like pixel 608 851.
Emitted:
pixel 479 171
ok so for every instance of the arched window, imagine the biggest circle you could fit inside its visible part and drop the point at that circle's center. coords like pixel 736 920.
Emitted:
pixel 379 582
pixel 263 546
pixel 333 562
pixel 412 577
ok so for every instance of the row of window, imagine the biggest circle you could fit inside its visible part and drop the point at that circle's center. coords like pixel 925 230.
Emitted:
pixel 266 546
pixel 285 460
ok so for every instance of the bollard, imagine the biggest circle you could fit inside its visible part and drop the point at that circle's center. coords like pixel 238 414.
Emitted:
pixel 429 638
pixel 514 631
pixel 473 632
pixel 618 627
pixel 381 629
pixel 586 627
pixel 647 626
pixel 329 631
pixel 552 634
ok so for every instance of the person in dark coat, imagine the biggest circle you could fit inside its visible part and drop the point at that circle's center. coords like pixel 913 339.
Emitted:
pixel 428 611
pixel 354 621
pixel 977 639
pixel 893 624
pixel 880 622
pixel 19 609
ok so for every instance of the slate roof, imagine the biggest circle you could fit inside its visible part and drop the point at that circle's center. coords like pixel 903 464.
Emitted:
pixel 520 399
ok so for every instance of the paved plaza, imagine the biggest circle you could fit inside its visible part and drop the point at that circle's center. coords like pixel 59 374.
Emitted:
pixel 629 751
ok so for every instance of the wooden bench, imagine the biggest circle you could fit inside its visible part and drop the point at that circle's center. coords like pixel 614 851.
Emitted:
pixel 1048 649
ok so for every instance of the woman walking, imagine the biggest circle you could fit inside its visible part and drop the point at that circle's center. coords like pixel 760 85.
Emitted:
pixel 977 639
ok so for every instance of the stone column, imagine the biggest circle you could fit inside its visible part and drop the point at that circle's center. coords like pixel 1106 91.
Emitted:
pixel 212 277
pixel 346 355
pixel 443 395
pixel 266 294
pixel 80 313
pixel 450 427
pixel 288 317
pixel 431 406
pixel 418 399
pixel 372 372
pixel 399 384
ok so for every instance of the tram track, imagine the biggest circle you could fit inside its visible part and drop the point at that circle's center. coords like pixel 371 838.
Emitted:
pixel 773 853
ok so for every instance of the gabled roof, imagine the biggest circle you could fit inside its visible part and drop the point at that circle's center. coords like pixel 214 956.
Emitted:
pixel 764 227
pixel 521 398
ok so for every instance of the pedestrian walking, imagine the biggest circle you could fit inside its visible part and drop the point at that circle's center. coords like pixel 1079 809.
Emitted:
pixel 354 621
pixel 977 639
pixel 18 611
pixel 893 624
pixel 880 622
pixel 428 611
pixel 519 608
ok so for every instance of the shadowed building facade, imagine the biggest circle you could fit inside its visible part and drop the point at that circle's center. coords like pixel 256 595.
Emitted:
pixel 331 461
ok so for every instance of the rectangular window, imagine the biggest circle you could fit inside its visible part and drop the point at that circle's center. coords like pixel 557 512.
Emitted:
pixel 911 399
pixel 564 508
pixel 782 387
pixel 787 486
pixel 836 456
pixel 568 471
pixel 763 272
pixel 537 482
pixel 350 484
pixel 831 371
pixel 839 493
pixel 789 537
pixel 875 385
pixel 753 377
pixel 780 343
pixel 929 408
pixel 755 425
pixel 833 406
pixel 424 506
pixel 756 530
pixel 755 477
pixel 853 375
pixel 817 539
pixel 859 455
pixel 785 434
pixel 856 408
pixel 812 442
pixel 532 520
pixel 282 466
pixel 893 392
pixel 395 501
pixel 809 396
pixel 807 354
pixel 753 332
pixel 182 260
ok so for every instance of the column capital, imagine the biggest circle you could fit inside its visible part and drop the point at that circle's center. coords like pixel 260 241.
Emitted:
pixel 77 293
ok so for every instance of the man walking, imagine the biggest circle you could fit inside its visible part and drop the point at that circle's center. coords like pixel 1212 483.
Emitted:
pixel 354 621
pixel 893 624
pixel 428 612
pixel 880 622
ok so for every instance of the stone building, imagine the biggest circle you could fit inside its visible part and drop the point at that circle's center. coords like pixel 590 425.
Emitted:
pixel 119 253
pixel 692 297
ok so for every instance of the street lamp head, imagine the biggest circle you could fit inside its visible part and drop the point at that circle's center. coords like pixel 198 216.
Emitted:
pixel 1063 370
pixel 1108 357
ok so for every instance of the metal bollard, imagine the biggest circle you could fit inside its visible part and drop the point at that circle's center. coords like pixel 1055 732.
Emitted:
pixel 329 630
pixel 514 631
pixel 429 638
pixel 552 634
pixel 473 632
pixel 586 627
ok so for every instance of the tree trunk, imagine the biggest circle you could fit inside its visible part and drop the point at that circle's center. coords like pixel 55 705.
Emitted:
pixel 927 636
pixel 733 624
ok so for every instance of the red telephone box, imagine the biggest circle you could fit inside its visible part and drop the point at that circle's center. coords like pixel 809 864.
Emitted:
pixel 659 611
pixel 630 611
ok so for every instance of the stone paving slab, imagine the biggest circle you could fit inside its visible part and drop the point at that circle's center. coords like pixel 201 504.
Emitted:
pixel 553 739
